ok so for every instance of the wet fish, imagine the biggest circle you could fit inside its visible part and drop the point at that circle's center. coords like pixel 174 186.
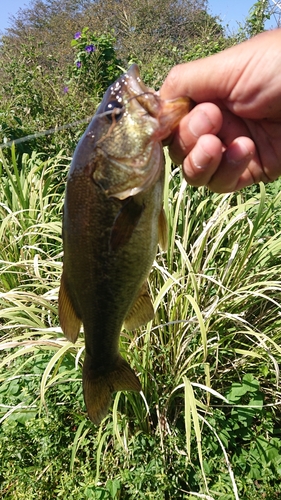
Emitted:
pixel 113 221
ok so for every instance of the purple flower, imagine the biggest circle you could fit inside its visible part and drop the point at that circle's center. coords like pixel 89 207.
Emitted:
pixel 78 64
pixel 77 35
pixel 65 90
pixel 90 48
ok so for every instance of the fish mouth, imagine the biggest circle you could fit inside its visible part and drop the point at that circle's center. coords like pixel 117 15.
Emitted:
pixel 168 113
pixel 151 120
pixel 143 95
pixel 136 83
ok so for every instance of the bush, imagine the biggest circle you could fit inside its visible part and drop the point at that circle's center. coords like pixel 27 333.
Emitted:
pixel 208 363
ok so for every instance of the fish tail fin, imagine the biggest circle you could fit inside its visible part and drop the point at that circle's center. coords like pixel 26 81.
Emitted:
pixel 98 387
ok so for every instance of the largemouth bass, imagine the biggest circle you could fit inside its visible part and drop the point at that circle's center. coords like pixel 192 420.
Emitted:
pixel 113 220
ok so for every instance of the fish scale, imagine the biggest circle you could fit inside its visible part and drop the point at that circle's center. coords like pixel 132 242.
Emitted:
pixel 113 221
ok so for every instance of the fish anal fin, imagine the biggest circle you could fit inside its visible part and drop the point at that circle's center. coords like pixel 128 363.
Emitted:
pixel 163 230
pixel 125 223
pixel 141 311
pixel 98 387
pixel 69 321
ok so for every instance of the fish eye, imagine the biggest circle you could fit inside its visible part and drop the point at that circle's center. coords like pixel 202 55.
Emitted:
pixel 114 111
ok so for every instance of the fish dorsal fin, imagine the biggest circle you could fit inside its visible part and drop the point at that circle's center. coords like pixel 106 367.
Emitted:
pixel 125 223
pixel 141 311
pixel 69 321
pixel 163 230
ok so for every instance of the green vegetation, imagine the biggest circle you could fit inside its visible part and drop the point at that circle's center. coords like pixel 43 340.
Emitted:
pixel 208 362
pixel 51 79
pixel 208 422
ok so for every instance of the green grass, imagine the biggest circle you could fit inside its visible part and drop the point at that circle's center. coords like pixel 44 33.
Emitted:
pixel 208 423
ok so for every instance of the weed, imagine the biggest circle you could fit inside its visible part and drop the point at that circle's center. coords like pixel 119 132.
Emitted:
pixel 207 424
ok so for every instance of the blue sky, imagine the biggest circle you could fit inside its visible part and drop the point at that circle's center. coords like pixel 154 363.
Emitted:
pixel 230 11
pixel 7 8
pixel 233 12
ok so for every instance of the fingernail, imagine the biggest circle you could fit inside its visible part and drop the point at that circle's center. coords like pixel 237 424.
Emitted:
pixel 200 158
pixel 238 153
pixel 200 124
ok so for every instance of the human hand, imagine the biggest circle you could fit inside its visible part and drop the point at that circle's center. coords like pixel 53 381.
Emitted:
pixel 232 137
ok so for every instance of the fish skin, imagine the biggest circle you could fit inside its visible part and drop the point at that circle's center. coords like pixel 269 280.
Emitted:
pixel 113 220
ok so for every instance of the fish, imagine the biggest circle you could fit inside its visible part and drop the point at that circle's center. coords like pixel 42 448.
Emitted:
pixel 113 221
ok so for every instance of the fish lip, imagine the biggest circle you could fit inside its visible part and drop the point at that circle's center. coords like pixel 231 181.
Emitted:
pixel 168 113
pixel 136 83
pixel 144 96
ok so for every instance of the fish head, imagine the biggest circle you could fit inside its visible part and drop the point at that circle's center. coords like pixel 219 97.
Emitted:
pixel 122 148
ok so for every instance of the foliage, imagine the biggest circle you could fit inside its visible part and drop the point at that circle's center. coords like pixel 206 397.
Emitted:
pixel 208 362
pixel 208 422
pixel 51 81
pixel 30 214
pixel 208 38
pixel 96 65
pixel 139 28
pixel 43 91
pixel 32 102
pixel 35 54
pixel 259 13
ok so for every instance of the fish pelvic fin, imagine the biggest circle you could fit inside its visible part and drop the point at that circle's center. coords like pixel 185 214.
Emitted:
pixel 141 311
pixel 98 387
pixel 69 321
pixel 163 230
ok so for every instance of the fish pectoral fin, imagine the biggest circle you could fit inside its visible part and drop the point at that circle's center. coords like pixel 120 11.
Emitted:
pixel 69 321
pixel 141 311
pixel 163 230
pixel 98 388
pixel 125 223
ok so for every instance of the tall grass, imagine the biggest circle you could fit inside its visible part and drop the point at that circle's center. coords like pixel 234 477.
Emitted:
pixel 212 351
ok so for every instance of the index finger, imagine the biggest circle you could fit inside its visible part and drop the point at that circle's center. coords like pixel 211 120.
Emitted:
pixel 201 80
